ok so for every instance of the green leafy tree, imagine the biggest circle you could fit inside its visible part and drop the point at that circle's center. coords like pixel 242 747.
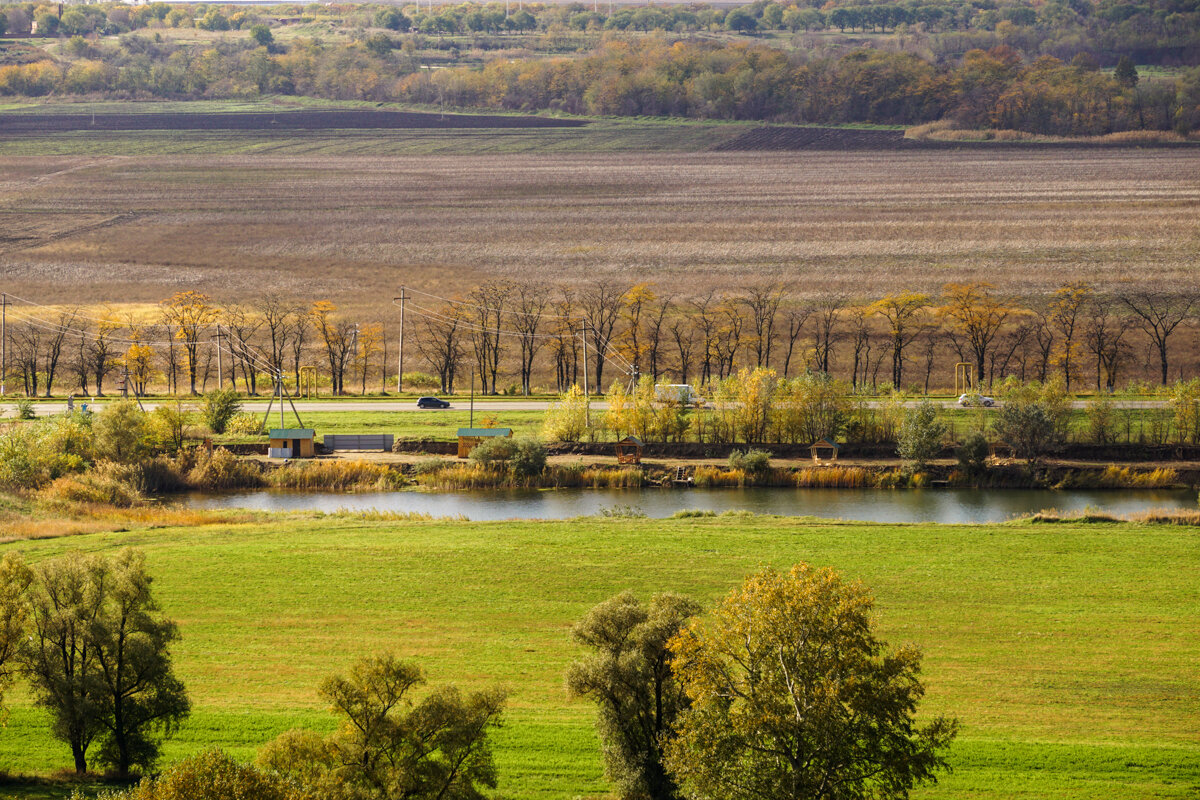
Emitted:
pixel 740 20
pixel 139 698
pixel 1126 72
pixel 219 408
pixel 66 599
pixel 628 674
pixel 15 578
pixel 98 661
pixel 973 454
pixel 921 435
pixel 387 746
pixel 793 696
pixel 262 35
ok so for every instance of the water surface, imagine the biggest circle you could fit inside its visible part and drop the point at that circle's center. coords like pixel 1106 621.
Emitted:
pixel 872 505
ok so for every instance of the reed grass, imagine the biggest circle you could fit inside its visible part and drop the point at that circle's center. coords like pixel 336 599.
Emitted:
pixel 834 477
pixel 335 476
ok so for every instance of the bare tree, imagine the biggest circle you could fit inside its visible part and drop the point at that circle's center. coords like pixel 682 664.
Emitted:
pixel 531 301
pixel 826 313
pixel 54 341
pixel 683 334
pixel 439 341
pixel 1104 336
pixel 655 323
pixel 298 333
pixel 763 303
pixel 601 302
pixel 729 338
pixel 705 321
pixel 1065 307
pixel 338 338
pixel 27 355
pixel 242 324
pixel 860 333
pixel 487 309
pixel 796 318
pixel 1159 314
pixel 565 344
pixel 277 315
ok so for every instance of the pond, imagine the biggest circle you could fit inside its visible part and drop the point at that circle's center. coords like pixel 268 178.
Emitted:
pixel 871 505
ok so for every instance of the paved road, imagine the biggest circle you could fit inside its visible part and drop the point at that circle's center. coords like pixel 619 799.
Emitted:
pixel 306 406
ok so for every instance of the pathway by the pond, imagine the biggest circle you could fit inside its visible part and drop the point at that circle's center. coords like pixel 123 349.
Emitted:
pixel 870 505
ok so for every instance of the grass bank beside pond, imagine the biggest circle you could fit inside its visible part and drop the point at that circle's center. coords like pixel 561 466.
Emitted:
pixel 1069 652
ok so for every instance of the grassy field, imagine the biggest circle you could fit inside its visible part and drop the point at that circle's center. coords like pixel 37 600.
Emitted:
pixel 435 425
pixel 1069 652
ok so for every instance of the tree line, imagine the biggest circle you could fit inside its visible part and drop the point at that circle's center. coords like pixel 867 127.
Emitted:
pixel 1154 32
pixel 517 336
pixel 994 81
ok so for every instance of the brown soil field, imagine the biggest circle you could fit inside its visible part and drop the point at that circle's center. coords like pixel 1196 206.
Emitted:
pixel 354 228
pixel 32 123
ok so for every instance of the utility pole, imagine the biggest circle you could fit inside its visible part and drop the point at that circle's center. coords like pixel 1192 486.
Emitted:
pixel 400 363
pixel 3 343
pixel 471 419
pixel 220 365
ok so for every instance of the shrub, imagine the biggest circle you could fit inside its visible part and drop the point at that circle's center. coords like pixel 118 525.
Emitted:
pixel 528 458
pixel 921 435
pixel 244 424
pixel 755 463
pixel 421 380
pixel 108 483
pixel 211 775
pixel 973 454
pixel 25 408
pixel 1102 419
pixel 35 454
pixel 1030 429
pixel 122 433
pixel 429 466
pixel 493 453
pixel 219 408
pixel 566 420
pixel 162 474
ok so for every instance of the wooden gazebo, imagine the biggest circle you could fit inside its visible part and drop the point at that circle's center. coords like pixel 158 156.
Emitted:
pixel 825 450
pixel 629 450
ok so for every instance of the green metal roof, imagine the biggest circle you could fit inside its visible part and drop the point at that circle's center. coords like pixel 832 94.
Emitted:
pixel 292 433
pixel 481 433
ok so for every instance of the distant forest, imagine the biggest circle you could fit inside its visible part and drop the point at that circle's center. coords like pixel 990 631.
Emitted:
pixel 1064 67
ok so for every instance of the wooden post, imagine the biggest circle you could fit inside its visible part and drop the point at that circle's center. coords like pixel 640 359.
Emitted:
pixel 400 362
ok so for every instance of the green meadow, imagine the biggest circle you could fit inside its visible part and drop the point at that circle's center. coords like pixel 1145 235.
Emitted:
pixel 1069 652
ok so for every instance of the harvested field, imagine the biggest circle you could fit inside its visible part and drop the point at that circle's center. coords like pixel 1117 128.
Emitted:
pixel 25 123
pixel 791 137
pixel 355 227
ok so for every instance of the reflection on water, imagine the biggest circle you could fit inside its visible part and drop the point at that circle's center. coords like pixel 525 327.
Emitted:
pixel 873 505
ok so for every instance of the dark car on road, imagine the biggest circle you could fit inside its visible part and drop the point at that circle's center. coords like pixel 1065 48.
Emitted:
pixel 432 402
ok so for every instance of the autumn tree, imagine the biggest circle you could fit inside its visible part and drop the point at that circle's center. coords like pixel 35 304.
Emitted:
pixel 627 672
pixel 793 695
pixel 1066 305
pixel 1158 314
pixel 629 341
pixel 388 744
pixel 369 346
pixel 977 315
pixel 190 313
pixel 904 313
